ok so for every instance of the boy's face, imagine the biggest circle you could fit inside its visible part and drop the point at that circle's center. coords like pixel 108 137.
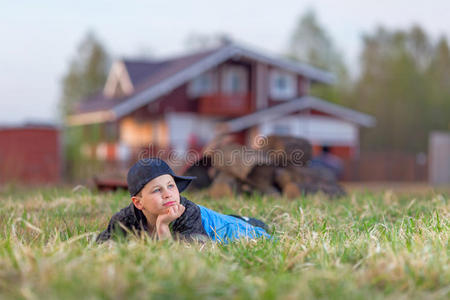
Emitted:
pixel 157 196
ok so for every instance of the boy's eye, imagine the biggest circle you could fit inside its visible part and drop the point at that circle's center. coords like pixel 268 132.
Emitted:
pixel 156 190
pixel 171 185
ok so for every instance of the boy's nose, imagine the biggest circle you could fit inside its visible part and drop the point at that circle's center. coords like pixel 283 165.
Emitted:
pixel 166 193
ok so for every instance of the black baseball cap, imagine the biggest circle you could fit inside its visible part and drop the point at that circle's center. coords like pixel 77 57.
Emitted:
pixel 147 169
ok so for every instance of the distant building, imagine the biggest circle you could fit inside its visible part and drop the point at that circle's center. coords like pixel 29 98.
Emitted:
pixel 439 154
pixel 30 154
pixel 184 102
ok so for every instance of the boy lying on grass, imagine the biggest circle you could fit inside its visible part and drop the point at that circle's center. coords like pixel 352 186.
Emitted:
pixel 159 210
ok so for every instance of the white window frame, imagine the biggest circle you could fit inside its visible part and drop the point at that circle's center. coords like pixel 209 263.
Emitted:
pixel 289 92
pixel 283 129
pixel 231 73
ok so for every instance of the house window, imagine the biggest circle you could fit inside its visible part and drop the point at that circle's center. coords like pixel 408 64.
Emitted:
pixel 282 85
pixel 234 80
pixel 202 85
pixel 281 129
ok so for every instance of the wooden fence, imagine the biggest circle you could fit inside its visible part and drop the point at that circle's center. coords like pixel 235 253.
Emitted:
pixel 386 166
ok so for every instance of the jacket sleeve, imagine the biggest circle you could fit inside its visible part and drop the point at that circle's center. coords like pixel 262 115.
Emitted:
pixel 114 229
pixel 189 225
pixel 118 225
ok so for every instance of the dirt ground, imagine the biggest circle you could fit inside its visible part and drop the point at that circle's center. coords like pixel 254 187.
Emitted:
pixel 421 188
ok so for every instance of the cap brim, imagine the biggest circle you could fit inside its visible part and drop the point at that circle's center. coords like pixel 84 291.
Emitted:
pixel 183 182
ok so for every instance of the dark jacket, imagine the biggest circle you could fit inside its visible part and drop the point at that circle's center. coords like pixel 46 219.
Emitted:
pixel 187 226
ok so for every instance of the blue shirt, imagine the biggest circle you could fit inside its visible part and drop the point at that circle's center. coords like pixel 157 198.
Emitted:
pixel 222 228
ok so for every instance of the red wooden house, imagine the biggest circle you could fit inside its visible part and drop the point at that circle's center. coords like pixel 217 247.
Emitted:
pixel 184 102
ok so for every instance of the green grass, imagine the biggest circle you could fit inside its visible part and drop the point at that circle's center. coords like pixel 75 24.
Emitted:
pixel 364 246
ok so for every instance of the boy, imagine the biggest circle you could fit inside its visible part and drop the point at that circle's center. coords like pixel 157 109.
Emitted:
pixel 158 210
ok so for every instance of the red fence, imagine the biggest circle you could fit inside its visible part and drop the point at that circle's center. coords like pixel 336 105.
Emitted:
pixel 386 166
pixel 30 155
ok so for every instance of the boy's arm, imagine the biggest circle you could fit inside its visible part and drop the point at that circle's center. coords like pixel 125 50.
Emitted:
pixel 189 225
pixel 113 229
pixel 118 225
pixel 163 232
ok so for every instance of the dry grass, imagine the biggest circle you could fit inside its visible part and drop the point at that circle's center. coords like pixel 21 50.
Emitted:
pixel 364 246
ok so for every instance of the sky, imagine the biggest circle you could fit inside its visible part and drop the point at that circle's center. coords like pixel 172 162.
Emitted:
pixel 38 39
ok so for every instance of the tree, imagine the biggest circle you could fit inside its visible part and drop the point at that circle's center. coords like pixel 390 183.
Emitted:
pixel 402 83
pixel 310 43
pixel 87 73
pixel 438 73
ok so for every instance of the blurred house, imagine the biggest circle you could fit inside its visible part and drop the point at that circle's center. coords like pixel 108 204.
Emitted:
pixel 30 154
pixel 184 102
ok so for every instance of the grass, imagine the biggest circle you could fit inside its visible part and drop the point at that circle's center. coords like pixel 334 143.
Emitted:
pixel 364 246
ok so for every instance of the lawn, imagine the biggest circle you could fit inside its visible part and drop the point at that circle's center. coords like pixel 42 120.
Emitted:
pixel 368 245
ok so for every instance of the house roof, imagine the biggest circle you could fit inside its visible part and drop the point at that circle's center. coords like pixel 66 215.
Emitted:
pixel 306 102
pixel 143 74
pixel 150 72
pixel 152 79
pixel 139 70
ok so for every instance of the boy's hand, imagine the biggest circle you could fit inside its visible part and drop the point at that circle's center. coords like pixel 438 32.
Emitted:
pixel 173 213
pixel 163 221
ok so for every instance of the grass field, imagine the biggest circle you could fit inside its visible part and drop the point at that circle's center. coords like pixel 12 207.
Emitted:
pixel 365 246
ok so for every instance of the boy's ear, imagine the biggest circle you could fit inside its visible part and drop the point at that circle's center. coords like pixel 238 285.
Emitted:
pixel 137 202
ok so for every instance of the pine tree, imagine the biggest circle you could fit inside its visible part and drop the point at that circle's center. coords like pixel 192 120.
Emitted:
pixel 310 43
pixel 86 75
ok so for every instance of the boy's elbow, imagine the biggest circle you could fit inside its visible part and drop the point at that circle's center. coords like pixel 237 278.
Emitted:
pixel 103 237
